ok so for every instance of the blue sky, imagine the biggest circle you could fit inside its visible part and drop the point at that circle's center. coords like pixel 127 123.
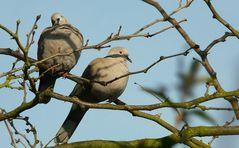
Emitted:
pixel 96 20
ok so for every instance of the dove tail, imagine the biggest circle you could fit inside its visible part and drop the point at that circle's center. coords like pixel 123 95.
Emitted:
pixel 119 102
pixel 45 82
pixel 70 124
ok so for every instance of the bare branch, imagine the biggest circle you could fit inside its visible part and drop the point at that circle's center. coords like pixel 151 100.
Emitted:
pixel 31 61
pixel 218 40
pixel 15 112
pixel 30 35
pixel 8 51
pixel 180 7
pixel 155 118
pixel 186 105
pixel 19 133
pixel 13 35
pixel 145 70
pixel 13 143
pixel 220 19
pixel 202 54
pixel 209 131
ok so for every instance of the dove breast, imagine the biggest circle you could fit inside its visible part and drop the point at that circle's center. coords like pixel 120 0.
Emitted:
pixel 64 42
pixel 106 69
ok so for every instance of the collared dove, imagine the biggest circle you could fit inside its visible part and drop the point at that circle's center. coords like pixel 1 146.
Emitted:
pixel 100 69
pixel 60 39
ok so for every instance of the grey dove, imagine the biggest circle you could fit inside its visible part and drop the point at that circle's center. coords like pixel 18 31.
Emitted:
pixel 60 45
pixel 100 69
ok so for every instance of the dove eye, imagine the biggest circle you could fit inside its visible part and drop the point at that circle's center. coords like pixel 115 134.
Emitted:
pixel 120 52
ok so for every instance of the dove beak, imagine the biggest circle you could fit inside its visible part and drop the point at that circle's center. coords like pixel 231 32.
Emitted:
pixel 55 22
pixel 127 57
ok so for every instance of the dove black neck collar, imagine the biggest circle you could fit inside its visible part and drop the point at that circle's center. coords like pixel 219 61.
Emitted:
pixel 119 56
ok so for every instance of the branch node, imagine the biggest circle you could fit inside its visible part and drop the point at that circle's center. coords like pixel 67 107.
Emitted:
pixel 196 46
pixel 203 54
pixel 214 74
pixel 161 58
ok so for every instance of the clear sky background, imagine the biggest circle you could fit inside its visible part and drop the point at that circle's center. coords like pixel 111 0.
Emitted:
pixel 96 20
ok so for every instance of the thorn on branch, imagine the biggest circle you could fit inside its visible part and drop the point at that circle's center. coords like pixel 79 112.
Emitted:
pixel 38 17
pixel 141 29
pixel 100 47
pixel 87 42
pixel 149 35
pixel 211 141
pixel 197 60
pixel 227 123
pixel 18 23
pixel 110 36
pixel 119 30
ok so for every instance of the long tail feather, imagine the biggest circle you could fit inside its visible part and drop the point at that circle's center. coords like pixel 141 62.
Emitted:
pixel 70 124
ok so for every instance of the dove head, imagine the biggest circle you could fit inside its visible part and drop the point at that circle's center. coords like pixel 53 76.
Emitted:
pixel 119 52
pixel 58 19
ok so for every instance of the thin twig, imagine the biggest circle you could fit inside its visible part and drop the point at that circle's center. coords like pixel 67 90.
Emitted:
pixel 30 35
pixel 166 104
pixel 13 35
pixel 218 40
pixel 8 51
pixel 202 54
pixel 145 70
pixel 180 7
pixel 36 63
pixel 19 133
pixel 156 118
pixel 220 19
pixel 13 143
